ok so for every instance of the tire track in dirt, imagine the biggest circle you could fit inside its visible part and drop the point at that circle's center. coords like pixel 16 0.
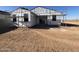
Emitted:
pixel 64 41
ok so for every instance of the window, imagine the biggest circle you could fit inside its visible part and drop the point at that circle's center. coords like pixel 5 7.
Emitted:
pixel 49 17
pixel 14 18
pixel 54 18
pixel 25 17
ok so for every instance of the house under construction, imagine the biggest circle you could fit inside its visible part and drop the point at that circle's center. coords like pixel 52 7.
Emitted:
pixel 23 17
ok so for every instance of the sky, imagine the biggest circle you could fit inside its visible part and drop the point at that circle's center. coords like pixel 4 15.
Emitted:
pixel 72 12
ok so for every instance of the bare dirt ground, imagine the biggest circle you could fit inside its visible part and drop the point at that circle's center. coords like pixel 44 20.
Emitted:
pixel 72 22
pixel 53 39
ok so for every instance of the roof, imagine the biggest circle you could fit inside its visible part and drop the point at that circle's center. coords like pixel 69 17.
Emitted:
pixel 4 12
pixel 23 8
pixel 51 11
pixel 42 7
pixel 20 8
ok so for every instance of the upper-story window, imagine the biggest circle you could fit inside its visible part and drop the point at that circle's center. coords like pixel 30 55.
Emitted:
pixel 54 18
pixel 14 18
pixel 25 17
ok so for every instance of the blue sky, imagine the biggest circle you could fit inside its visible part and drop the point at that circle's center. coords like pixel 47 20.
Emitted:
pixel 71 11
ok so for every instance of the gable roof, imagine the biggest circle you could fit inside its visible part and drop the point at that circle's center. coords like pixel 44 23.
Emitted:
pixel 40 11
pixel 20 8
pixel 42 7
pixel 49 11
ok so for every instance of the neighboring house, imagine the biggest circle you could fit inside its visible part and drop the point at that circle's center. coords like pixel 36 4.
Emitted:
pixel 4 19
pixel 23 17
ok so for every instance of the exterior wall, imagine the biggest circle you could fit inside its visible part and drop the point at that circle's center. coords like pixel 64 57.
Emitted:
pixel 5 21
pixel 33 19
pixel 50 22
pixel 20 21
pixel 49 13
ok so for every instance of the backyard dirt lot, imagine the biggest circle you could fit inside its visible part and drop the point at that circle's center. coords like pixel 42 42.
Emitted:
pixel 72 22
pixel 52 39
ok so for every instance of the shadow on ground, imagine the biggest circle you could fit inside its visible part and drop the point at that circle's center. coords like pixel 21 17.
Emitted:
pixel 7 29
pixel 69 25
pixel 44 26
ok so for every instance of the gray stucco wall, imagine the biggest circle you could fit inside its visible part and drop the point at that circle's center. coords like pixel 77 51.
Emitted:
pixel 5 21
pixel 33 19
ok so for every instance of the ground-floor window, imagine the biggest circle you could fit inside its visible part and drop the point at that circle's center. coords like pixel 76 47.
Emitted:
pixel 25 17
pixel 14 18
pixel 54 18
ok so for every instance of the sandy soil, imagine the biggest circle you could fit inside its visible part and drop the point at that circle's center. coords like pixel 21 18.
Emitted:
pixel 53 39
pixel 72 22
